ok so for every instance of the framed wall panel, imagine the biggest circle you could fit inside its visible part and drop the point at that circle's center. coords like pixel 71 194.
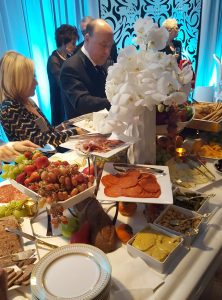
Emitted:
pixel 121 15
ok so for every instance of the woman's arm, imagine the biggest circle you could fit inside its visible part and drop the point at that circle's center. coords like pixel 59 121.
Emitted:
pixel 20 125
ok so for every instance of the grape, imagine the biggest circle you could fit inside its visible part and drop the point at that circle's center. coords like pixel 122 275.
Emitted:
pixel 4 175
pixel 2 211
pixel 20 158
pixel 19 213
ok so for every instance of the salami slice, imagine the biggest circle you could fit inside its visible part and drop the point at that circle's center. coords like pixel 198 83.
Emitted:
pixel 9 193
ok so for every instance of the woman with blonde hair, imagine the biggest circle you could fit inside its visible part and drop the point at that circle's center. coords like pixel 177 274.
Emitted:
pixel 173 46
pixel 19 115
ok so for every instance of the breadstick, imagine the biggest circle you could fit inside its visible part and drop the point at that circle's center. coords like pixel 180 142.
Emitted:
pixel 212 114
pixel 217 114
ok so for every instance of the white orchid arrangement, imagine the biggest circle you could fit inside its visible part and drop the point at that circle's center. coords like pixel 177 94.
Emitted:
pixel 144 78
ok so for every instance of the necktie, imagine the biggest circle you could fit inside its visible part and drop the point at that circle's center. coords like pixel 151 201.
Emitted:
pixel 100 70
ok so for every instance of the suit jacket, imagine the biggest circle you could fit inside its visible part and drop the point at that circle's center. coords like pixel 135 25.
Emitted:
pixel 83 87
pixel 178 49
pixel 54 65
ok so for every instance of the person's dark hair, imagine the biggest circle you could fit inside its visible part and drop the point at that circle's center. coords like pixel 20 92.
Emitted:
pixel 65 34
pixel 86 19
pixel 90 27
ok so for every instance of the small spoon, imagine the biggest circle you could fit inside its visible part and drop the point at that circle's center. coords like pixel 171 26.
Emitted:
pixel 177 222
pixel 201 196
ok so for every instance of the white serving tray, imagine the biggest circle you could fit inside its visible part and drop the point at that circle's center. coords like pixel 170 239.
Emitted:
pixel 166 196
pixel 74 140
pixel 189 214
pixel 66 204
pixel 161 267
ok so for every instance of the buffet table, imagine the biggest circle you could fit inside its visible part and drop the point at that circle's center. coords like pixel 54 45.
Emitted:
pixel 190 273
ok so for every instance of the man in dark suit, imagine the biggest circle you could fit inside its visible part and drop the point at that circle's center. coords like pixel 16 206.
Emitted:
pixel 83 77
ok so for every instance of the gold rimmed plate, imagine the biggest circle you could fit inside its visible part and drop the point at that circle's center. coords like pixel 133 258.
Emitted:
pixel 77 272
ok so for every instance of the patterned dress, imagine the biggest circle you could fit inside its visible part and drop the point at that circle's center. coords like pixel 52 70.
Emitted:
pixel 20 124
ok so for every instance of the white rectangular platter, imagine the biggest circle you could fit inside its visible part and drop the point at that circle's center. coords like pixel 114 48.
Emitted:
pixel 72 143
pixel 166 196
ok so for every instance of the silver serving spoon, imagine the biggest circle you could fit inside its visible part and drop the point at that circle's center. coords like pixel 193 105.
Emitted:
pixel 177 222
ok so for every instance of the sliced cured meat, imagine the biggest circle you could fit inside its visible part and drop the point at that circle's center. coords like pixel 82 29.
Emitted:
pixel 133 191
pixel 146 194
pixel 152 187
pixel 113 191
pixel 109 180
pixel 9 193
pixel 130 179
pixel 98 144
pixel 149 183
pixel 131 184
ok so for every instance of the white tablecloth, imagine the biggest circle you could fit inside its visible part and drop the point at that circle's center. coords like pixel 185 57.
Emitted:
pixel 135 280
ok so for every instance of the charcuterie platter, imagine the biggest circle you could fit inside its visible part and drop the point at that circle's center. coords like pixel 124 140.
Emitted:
pixel 138 184
pixel 96 144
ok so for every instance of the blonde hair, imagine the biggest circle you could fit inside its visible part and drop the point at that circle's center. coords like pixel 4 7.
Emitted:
pixel 16 76
pixel 170 23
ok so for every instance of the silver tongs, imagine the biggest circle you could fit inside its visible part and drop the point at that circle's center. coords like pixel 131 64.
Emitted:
pixel 191 160
pixel 122 167
pixel 88 136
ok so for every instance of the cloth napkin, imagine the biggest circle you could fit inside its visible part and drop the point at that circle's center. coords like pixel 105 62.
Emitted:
pixel 132 277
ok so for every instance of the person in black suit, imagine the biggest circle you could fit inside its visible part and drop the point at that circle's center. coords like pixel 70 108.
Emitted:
pixel 66 37
pixel 173 46
pixel 83 77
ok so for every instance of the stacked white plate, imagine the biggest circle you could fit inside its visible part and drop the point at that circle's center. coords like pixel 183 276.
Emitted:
pixel 72 272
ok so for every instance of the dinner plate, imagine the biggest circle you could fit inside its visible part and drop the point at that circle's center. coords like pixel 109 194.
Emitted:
pixel 77 271
pixel 166 196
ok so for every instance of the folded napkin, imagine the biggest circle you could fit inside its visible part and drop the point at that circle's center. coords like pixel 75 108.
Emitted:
pixel 132 277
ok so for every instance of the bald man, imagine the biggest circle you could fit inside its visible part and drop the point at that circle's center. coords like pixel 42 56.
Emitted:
pixel 83 77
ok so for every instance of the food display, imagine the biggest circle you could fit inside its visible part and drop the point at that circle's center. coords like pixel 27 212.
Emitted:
pixel 95 226
pixel 208 111
pixel 20 276
pixel 9 193
pixel 16 261
pixel 211 150
pixel 98 144
pixel 179 113
pixel 185 175
pixel 172 119
pixel 124 232
pixel 155 244
pixel 17 208
pixel 9 243
pixel 177 219
pixel 127 209
pixel 132 183
pixel 190 200
pixel 158 247
pixel 208 117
